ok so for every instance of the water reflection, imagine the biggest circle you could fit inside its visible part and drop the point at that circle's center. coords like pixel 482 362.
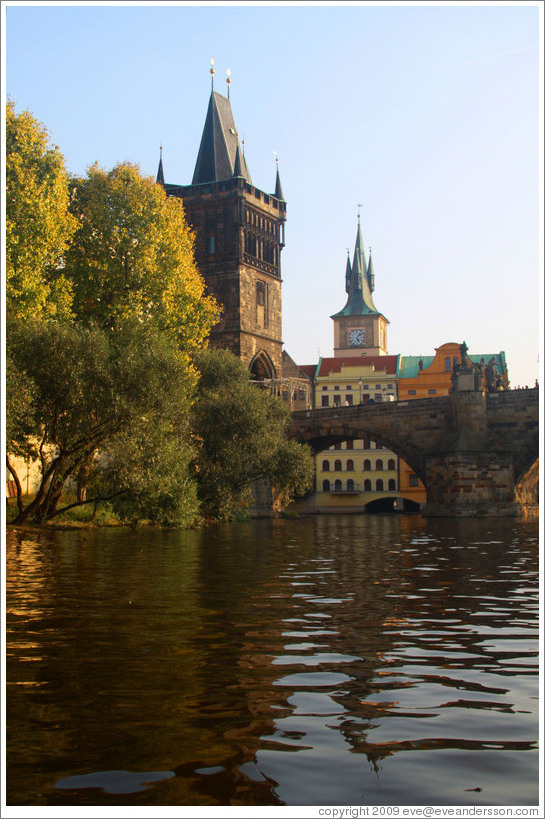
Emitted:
pixel 278 662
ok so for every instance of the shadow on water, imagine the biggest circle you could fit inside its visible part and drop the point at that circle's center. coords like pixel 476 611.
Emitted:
pixel 330 660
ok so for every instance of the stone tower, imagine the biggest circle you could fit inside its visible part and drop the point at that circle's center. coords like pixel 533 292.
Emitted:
pixel 239 232
pixel 359 328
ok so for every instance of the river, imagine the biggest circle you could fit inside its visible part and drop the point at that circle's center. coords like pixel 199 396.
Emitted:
pixel 333 660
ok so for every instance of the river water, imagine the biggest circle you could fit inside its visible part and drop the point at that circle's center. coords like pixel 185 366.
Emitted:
pixel 334 660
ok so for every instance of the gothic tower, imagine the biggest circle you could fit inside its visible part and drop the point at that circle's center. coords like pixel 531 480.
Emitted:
pixel 359 328
pixel 239 235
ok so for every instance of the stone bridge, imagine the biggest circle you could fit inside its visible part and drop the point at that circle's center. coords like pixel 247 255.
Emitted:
pixel 475 452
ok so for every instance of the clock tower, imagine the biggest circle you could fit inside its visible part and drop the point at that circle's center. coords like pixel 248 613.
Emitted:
pixel 359 328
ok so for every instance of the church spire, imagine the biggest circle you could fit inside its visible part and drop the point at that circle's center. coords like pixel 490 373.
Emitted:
pixel 160 175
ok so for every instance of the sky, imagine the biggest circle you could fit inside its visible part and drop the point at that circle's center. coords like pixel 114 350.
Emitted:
pixel 427 116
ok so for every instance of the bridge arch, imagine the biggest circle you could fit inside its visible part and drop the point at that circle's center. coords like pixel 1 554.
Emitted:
pixel 472 450
pixel 387 438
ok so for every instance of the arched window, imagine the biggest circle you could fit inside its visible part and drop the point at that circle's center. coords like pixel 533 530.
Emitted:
pixel 338 467
pixel 338 485
pixel 367 485
pixel 325 466
pixel 448 366
pixel 392 485
pixel 350 485
pixel 379 466
pixel 367 465
pixel 326 486
pixel 380 485
pixel 391 463
pixel 350 465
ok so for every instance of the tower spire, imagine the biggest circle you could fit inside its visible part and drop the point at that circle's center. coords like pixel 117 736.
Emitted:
pixel 219 142
pixel 160 175
pixel 278 187
pixel 238 164
pixel 348 273
pixel 360 301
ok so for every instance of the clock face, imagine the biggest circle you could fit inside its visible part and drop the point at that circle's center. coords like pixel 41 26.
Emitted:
pixel 356 337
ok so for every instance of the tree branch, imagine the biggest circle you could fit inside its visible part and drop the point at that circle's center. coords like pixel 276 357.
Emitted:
pixel 86 502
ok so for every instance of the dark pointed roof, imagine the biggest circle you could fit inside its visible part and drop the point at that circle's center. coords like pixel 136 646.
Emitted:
pixel 360 300
pixel 219 144
pixel 160 175
pixel 238 164
pixel 370 274
pixel 348 274
pixel 278 188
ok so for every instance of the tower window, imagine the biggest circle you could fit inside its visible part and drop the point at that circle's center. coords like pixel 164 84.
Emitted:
pixel 212 244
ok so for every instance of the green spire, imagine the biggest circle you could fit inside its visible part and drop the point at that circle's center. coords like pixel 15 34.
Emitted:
pixel 348 274
pixel 360 300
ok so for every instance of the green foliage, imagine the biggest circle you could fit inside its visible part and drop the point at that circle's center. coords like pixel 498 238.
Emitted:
pixel 132 255
pixel 241 434
pixel 38 225
pixel 91 390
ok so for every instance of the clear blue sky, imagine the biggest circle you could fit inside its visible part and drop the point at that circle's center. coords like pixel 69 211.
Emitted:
pixel 427 115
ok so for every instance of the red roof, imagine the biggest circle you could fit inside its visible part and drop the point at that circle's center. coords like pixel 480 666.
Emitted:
pixel 383 363
pixel 308 369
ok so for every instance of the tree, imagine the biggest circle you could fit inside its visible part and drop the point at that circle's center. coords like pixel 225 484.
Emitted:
pixel 119 399
pixel 132 255
pixel 38 224
pixel 241 436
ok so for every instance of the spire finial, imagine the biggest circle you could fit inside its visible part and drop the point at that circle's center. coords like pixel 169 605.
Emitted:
pixel 228 81
pixel 212 71
pixel 243 143
pixel 359 206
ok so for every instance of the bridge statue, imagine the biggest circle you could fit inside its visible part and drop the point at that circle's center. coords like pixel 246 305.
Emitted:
pixel 475 451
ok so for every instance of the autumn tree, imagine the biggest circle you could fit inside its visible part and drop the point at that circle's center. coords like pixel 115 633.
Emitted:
pixel 132 255
pixel 241 437
pixel 38 224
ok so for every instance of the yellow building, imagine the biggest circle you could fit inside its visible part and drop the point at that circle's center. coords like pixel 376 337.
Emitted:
pixel 357 474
